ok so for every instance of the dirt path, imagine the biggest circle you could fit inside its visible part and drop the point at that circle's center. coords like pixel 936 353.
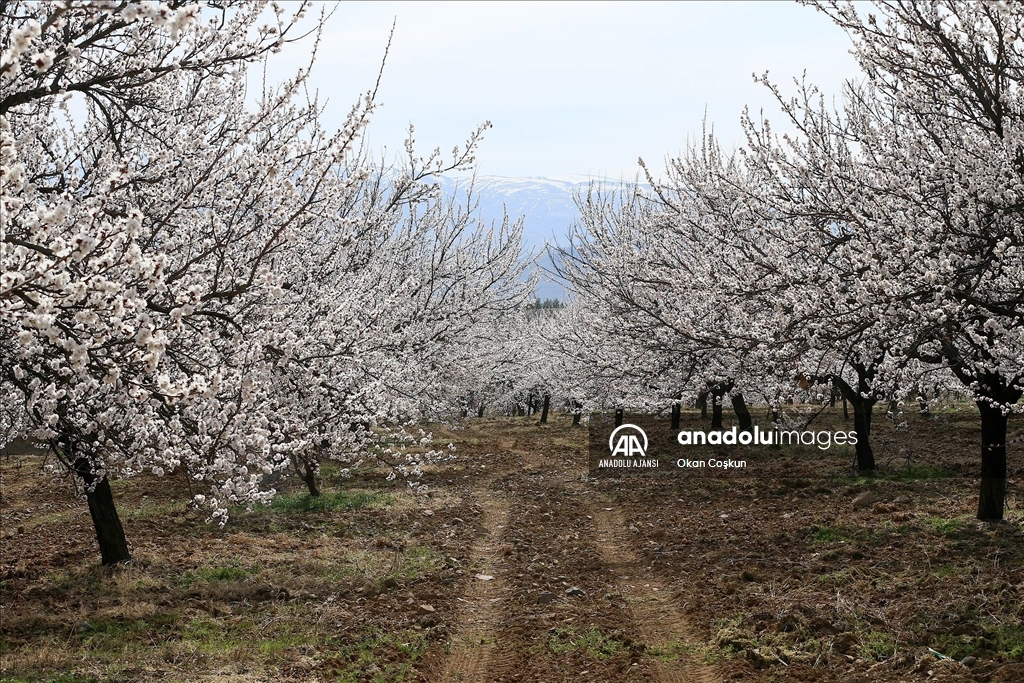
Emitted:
pixel 570 598
pixel 473 646
pixel 649 599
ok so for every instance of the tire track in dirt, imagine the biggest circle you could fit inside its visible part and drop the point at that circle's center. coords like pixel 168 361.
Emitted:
pixel 559 623
pixel 542 530
pixel 472 648
pixel 649 599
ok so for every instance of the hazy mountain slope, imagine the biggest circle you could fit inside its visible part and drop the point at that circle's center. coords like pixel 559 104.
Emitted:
pixel 545 204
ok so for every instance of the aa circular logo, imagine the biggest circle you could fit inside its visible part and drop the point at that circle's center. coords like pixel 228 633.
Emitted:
pixel 628 441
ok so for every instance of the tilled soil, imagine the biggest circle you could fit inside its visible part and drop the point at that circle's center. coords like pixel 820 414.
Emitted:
pixel 519 565
pixel 562 597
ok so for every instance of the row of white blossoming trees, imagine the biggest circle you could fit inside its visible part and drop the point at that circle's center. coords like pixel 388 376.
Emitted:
pixel 196 277
pixel 877 248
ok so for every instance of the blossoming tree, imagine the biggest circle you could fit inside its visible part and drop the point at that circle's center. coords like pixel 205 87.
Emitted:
pixel 193 280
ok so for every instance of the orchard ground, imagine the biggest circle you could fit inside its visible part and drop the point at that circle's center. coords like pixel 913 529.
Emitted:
pixel 519 565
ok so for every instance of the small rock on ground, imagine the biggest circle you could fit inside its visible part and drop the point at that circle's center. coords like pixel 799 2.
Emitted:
pixel 545 598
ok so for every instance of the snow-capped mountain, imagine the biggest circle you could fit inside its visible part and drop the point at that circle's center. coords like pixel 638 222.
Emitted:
pixel 546 205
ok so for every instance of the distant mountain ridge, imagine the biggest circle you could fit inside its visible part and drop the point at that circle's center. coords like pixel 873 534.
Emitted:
pixel 547 206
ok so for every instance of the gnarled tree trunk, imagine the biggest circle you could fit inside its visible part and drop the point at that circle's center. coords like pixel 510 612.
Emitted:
pixel 717 393
pixel 109 532
pixel 307 471
pixel 863 402
pixel 862 411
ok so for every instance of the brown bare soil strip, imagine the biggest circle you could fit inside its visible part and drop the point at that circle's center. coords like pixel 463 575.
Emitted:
pixel 649 599
pixel 563 622
pixel 568 617
pixel 473 646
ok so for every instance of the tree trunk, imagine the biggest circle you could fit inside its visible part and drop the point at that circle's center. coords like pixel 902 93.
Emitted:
pixel 716 413
pixel 862 410
pixel 677 411
pixel 717 392
pixel 846 409
pixel 923 406
pixel 702 403
pixel 894 408
pixel 544 410
pixel 480 410
pixel 742 413
pixel 109 532
pixel 993 463
pixel 309 476
pixel 576 419
pixel 618 417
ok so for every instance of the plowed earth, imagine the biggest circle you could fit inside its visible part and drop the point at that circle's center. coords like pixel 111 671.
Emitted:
pixel 521 565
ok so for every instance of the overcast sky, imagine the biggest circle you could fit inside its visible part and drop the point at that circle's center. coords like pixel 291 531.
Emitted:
pixel 571 88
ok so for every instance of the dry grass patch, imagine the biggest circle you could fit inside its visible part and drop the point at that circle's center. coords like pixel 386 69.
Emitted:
pixel 302 588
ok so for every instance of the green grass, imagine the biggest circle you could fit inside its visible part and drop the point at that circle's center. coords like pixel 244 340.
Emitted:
pixel 148 509
pixel 677 649
pixel 877 645
pixel 1004 639
pixel 841 577
pixel 373 655
pixel 109 639
pixel 829 535
pixel 901 474
pixel 946 527
pixel 418 561
pixel 87 579
pixel 948 570
pixel 64 678
pixel 339 500
pixel 224 574
pixel 372 658
pixel 592 641
pixel 212 637
pixel 917 473
pixel 1009 640
pixel 217 574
